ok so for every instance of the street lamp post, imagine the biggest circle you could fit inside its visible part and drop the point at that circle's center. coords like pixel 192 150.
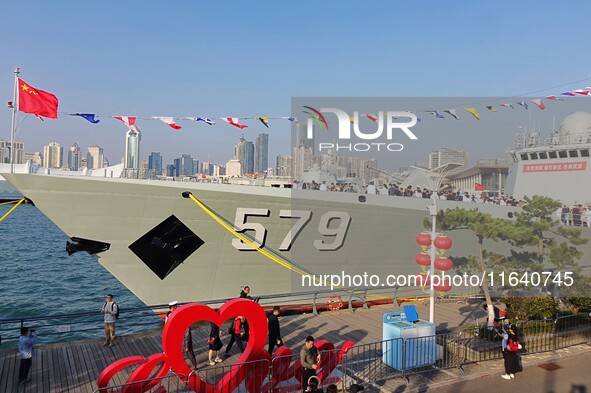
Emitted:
pixel 433 213
pixel 435 178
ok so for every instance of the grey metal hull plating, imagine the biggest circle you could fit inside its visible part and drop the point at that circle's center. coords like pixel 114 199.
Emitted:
pixel 380 238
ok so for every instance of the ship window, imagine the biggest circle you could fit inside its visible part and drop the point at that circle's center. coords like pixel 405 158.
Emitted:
pixel 562 154
pixel 524 157
pixel 573 153
pixel 533 156
pixel 552 154
pixel 543 155
pixel 166 246
pixel 585 153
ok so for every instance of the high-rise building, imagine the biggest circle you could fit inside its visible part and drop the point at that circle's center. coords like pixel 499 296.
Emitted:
pixel 170 170
pixel 302 161
pixel 19 152
pixel 132 149
pixel 74 156
pixel 233 168
pixel 53 155
pixel 207 168
pixel 284 166
pixel 35 158
pixel 244 152
pixel 261 161
pixel 301 136
pixel 95 159
pixel 177 167
pixel 219 170
pixel 155 163
pixel 196 168
pixel 184 165
pixel 448 156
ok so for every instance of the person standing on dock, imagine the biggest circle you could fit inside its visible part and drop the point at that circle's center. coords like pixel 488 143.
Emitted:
pixel 187 338
pixel 510 355
pixel 309 358
pixel 26 342
pixel 188 349
pixel 110 310
pixel 236 332
pixel 171 307
pixel 215 344
pixel 274 330
pixel 245 294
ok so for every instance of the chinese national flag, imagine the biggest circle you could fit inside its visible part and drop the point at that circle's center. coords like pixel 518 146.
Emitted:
pixel 35 101
pixel 479 187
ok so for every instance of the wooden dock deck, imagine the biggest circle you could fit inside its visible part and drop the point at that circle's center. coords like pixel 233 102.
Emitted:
pixel 74 367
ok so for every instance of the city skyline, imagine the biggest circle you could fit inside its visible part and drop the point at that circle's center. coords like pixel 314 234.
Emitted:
pixel 284 165
pixel 471 136
pixel 264 86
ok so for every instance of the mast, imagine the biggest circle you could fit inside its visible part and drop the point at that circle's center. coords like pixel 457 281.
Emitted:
pixel 17 72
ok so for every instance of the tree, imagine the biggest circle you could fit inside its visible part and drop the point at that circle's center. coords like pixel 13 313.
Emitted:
pixel 483 226
pixel 540 240
pixel 555 242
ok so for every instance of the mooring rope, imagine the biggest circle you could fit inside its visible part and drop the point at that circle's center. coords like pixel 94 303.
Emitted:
pixel 12 208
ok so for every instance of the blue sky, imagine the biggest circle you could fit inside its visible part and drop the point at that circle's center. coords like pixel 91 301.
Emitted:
pixel 249 58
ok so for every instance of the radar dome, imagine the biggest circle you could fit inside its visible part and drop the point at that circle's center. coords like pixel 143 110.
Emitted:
pixel 576 128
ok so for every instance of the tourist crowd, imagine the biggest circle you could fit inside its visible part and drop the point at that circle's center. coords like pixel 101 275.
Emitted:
pixel 415 192
pixel 577 215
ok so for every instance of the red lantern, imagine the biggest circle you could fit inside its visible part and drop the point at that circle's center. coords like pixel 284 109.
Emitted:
pixel 443 264
pixel 444 285
pixel 442 243
pixel 423 280
pixel 423 260
pixel 423 239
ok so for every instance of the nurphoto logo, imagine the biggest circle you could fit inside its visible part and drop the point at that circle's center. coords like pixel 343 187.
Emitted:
pixel 390 121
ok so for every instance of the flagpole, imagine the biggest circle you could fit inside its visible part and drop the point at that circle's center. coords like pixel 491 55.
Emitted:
pixel 17 72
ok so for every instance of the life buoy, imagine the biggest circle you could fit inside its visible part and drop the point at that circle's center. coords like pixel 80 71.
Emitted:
pixel 335 303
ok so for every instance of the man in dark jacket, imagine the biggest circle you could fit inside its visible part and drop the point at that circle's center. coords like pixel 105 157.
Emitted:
pixel 274 330
pixel 308 357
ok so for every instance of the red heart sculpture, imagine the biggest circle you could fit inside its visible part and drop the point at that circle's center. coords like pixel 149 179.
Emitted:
pixel 143 372
pixel 109 372
pixel 180 320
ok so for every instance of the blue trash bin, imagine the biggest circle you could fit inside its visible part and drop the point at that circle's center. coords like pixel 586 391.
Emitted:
pixel 409 341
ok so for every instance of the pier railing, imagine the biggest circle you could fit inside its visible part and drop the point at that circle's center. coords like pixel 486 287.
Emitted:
pixel 376 362
pixel 87 325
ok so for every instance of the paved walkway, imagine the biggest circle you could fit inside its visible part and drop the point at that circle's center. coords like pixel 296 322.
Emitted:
pixel 74 367
pixel 544 374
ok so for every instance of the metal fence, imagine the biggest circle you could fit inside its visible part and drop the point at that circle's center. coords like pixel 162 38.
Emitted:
pixel 78 326
pixel 235 378
pixel 85 325
pixel 367 362
pixel 396 358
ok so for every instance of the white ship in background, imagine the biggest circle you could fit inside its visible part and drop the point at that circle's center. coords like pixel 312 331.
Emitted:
pixel 163 246
pixel 557 166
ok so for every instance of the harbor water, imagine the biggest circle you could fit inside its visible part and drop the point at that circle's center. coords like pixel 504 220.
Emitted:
pixel 38 278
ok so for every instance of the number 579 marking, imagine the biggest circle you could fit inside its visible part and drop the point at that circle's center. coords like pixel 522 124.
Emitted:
pixel 339 232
